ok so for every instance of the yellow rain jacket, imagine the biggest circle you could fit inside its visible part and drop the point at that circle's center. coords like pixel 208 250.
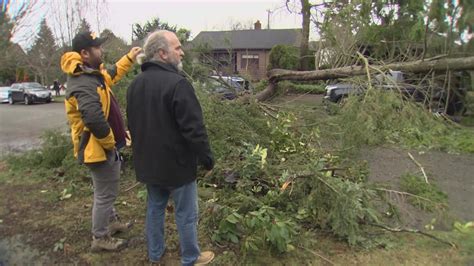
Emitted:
pixel 88 96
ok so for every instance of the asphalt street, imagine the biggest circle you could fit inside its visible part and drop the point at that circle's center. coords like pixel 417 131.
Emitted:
pixel 21 126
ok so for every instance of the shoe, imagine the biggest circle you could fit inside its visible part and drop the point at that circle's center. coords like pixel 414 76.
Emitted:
pixel 119 227
pixel 204 258
pixel 107 243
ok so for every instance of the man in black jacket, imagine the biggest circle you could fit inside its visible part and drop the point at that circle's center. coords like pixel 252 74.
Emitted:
pixel 169 139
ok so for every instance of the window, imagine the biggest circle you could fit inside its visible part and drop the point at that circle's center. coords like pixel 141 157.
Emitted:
pixel 249 61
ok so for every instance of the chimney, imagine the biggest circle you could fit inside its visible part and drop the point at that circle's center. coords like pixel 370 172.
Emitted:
pixel 258 25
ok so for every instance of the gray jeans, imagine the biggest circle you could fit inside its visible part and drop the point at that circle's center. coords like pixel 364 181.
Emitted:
pixel 105 178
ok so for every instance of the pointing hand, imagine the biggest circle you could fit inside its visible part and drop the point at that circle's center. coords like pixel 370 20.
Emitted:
pixel 134 52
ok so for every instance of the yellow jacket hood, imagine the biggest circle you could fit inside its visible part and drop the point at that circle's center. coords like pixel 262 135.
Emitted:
pixel 70 62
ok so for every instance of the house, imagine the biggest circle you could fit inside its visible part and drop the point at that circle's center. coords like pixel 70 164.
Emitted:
pixel 244 52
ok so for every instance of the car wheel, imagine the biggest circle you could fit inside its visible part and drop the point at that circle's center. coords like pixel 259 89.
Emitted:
pixel 10 100
pixel 27 100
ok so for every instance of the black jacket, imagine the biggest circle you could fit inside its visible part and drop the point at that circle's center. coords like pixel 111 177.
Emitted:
pixel 166 125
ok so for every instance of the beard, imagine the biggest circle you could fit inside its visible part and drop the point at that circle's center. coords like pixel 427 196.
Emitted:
pixel 177 63
pixel 96 63
pixel 179 66
pixel 93 63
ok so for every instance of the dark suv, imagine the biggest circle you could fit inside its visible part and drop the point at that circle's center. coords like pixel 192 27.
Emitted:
pixel 28 93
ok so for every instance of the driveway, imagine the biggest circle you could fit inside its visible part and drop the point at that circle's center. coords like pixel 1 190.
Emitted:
pixel 21 126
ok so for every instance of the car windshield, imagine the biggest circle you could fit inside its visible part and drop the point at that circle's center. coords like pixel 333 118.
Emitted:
pixel 235 84
pixel 34 86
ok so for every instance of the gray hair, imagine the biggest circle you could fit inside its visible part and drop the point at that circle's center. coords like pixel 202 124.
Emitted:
pixel 155 41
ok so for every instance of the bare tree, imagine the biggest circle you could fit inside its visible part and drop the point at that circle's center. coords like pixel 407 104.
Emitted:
pixel 67 16
pixel 22 16
pixel 240 25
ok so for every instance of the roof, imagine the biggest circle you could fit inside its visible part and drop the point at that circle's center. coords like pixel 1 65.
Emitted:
pixel 248 39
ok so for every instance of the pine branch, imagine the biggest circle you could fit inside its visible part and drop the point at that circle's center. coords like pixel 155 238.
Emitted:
pixel 415 231
pixel 409 194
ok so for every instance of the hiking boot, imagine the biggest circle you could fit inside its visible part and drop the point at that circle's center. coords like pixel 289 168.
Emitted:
pixel 107 243
pixel 204 258
pixel 119 227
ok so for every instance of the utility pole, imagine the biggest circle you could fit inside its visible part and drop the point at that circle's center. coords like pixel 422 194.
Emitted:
pixel 268 18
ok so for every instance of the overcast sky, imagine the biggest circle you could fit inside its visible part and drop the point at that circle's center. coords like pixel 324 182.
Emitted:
pixel 198 15
pixel 194 15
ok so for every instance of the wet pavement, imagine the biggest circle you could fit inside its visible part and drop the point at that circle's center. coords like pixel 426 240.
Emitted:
pixel 21 126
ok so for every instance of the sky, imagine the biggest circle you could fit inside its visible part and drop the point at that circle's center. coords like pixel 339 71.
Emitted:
pixel 194 15
pixel 198 15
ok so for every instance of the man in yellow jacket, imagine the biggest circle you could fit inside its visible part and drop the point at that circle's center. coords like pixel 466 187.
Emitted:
pixel 97 129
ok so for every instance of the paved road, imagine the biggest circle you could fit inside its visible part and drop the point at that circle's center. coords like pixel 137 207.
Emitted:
pixel 21 126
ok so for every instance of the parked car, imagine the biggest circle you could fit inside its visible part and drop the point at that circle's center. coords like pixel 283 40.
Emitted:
pixel 435 96
pixel 228 87
pixel 4 93
pixel 28 93
pixel 393 80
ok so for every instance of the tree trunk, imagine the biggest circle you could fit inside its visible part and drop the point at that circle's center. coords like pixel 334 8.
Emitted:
pixel 304 53
pixel 413 67
pixel 419 66
pixel 267 92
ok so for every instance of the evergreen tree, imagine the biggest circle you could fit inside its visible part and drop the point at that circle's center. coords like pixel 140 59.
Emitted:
pixel 8 66
pixel 140 32
pixel 84 26
pixel 44 55
pixel 114 47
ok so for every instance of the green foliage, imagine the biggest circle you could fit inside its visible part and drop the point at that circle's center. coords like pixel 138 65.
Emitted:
pixel 274 181
pixel 140 32
pixel 254 162
pixel 55 146
pixel 464 233
pixel 6 26
pixel 416 185
pixel 260 86
pixel 396 30
pixel 227 229
pixel 84 26
pixel 230 124
pixel 114 47
pixel 284 56
pixel 258 229
pixel 142 194
pixel 302 88
pixel 43 57
pixel 71 169
pixel 385 117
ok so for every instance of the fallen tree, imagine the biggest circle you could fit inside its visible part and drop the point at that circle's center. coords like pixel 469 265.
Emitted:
pixel 418 66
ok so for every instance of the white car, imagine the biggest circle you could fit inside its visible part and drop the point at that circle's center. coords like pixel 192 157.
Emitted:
pixel 4 93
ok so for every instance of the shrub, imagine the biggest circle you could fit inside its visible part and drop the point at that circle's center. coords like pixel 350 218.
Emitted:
pixel 284 56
